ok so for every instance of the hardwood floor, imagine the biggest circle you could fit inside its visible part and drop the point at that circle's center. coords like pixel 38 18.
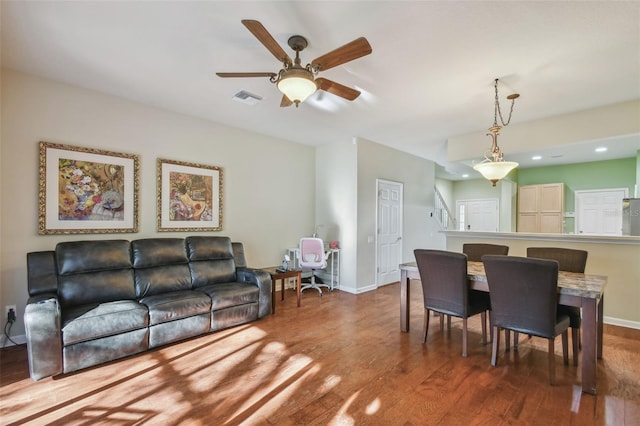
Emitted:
pixel 339 359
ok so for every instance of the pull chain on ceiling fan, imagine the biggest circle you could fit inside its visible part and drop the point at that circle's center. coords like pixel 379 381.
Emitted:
pixel 296 82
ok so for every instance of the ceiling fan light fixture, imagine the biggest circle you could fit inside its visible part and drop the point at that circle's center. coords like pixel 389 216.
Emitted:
pixel 297 84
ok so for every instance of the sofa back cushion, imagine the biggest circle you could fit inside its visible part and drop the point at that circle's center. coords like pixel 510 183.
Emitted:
pixel 42 273
pixel 94 272
pixel 238 255
pixel 161 266
pixel 211 260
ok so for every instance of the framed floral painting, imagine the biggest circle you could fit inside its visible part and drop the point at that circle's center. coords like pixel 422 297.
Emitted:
pixel 87 191
pixel 189 196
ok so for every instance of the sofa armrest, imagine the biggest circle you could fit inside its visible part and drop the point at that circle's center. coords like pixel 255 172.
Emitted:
pixel 44 337
pixel 262 279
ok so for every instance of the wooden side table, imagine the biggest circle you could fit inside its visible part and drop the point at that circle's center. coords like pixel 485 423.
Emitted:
pixel 275 276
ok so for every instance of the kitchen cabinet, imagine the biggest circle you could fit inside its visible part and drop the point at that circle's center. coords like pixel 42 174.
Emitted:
pixel 541 208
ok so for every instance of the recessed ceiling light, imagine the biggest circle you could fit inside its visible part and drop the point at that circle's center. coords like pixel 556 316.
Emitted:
pixel 465 175
pixel 601 149
pixel 537 157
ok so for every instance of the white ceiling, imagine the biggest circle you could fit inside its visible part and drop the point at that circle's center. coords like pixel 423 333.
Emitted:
pixel 430 75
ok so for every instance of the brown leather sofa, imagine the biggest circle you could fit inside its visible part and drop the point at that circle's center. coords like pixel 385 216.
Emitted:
pixel 95 301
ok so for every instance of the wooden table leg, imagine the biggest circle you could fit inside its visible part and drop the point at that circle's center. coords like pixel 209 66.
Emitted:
pixel 298 285
pixel 273 296
pixel 405 294
pixel 589 344
pixel 282 289
pixel 600 325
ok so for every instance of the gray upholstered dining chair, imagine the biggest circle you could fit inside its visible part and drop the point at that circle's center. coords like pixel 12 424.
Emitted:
pixel 570 260
pixel 445 288
pixel 524 298
pixel 475 251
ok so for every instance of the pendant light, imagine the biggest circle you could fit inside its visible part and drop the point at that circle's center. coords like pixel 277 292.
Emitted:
pixel 493 167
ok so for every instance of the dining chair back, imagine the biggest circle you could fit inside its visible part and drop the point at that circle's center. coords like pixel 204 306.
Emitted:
pixel 570 260
pixel 524 298
pixel 475 251
pixel 445 288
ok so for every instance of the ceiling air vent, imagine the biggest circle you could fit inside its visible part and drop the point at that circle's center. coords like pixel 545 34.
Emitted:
pixel 247 98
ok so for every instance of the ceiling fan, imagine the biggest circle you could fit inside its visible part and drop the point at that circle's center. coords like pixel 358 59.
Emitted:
pixel 295 81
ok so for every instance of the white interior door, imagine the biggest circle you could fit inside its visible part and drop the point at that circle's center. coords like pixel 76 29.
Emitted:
pixel 599 212
pixel 478 215
pixel 389 232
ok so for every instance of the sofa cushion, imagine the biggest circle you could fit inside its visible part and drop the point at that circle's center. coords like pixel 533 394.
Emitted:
pixel 94 272
pixel 162 279
pixel 152 252
pixel 238 255
pixel 42 274
pixel 89 322
pixel 206 272
pixel 224 295
pixel 160 266
pixel 176 305
pixel 95 287
pixel 209 248
pixel 211 260
pixel 74 257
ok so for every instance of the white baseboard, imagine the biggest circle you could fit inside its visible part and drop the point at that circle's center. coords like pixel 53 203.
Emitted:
pixel 621 322
pixel 359 290
pixel 5 343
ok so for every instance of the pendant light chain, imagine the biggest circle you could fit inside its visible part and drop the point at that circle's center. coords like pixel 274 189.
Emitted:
pixel 497 112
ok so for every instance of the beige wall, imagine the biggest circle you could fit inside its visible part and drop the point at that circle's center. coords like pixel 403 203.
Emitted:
pixel 259 172
pixel 619 262
pixel 505 192
pixel 417 175
pixel 336 204
pixel 597 123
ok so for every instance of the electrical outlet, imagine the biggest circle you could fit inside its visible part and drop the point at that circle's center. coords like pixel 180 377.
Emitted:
pixel 9 308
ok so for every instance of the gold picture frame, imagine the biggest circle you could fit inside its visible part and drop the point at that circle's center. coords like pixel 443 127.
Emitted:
pixel 189 196
pixel 87 191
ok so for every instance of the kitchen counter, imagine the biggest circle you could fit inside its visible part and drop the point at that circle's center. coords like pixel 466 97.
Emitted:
pixel 599 239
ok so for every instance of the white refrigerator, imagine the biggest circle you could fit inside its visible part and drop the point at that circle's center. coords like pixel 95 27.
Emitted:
pixel 631 216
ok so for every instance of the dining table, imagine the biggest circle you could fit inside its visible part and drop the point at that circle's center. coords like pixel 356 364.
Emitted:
pixel 585 291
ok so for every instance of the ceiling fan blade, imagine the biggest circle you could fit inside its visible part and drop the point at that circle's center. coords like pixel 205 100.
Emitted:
pixel 337 89
pixel 261 33
pixel 245 74
pixel 350 51
pixel 285 102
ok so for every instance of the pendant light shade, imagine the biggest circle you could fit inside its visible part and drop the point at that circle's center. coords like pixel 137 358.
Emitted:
pixel 495 170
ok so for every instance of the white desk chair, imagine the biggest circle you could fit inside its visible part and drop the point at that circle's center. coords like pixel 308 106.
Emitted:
pixel 312 258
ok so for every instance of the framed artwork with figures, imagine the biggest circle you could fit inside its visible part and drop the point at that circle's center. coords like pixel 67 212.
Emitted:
pixel 189 196
pixel 85 190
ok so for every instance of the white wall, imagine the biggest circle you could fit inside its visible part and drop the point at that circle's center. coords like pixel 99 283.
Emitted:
pixel 417 175
pixel 256 170
pixel 336 204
